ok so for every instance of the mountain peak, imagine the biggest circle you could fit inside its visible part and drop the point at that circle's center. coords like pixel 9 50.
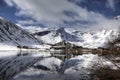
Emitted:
pixel 117 17
pixel 2 18
pixel 60 30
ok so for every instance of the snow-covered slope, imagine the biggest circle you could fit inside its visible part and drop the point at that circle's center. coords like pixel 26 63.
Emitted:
pixel 95 39
pixel 55 36
pixel 12 36
pixel 90 39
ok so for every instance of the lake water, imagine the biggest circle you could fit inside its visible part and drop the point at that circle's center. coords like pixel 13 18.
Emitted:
pixel 44 65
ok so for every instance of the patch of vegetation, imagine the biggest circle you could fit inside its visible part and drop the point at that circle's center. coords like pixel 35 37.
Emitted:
pixel 69 48
pixel 106 74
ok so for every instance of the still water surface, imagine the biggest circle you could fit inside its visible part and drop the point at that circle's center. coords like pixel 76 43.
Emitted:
pixel 44 65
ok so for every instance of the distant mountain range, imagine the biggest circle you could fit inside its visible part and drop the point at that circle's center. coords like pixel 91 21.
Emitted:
pixel 91 39
pixel 12 36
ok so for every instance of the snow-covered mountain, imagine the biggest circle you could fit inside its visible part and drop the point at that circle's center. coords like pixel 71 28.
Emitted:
pixel 90 39
pixel 54 36
pixel 117 17
pixel 95 39
pixel 12 36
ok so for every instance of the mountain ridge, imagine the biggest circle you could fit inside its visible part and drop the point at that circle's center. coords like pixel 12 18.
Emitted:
pixel 89 39
pixel 12 36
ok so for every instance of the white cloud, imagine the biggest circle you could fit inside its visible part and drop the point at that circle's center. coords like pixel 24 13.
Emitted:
pixel 25 22
pixel 111 4
pixel 44 10
pixel 9 2
pixel 51 12
pixel 107 24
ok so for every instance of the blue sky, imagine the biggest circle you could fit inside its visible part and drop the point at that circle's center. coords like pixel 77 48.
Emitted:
pixel 65 13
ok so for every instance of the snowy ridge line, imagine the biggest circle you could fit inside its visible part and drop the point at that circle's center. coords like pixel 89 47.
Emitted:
pixel 13 36
pixel 90 39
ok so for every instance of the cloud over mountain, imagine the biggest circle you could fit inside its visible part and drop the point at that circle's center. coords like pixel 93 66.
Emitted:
pixel 60 12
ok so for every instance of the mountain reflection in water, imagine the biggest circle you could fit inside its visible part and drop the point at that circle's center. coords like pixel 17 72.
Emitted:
pixel 40 65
